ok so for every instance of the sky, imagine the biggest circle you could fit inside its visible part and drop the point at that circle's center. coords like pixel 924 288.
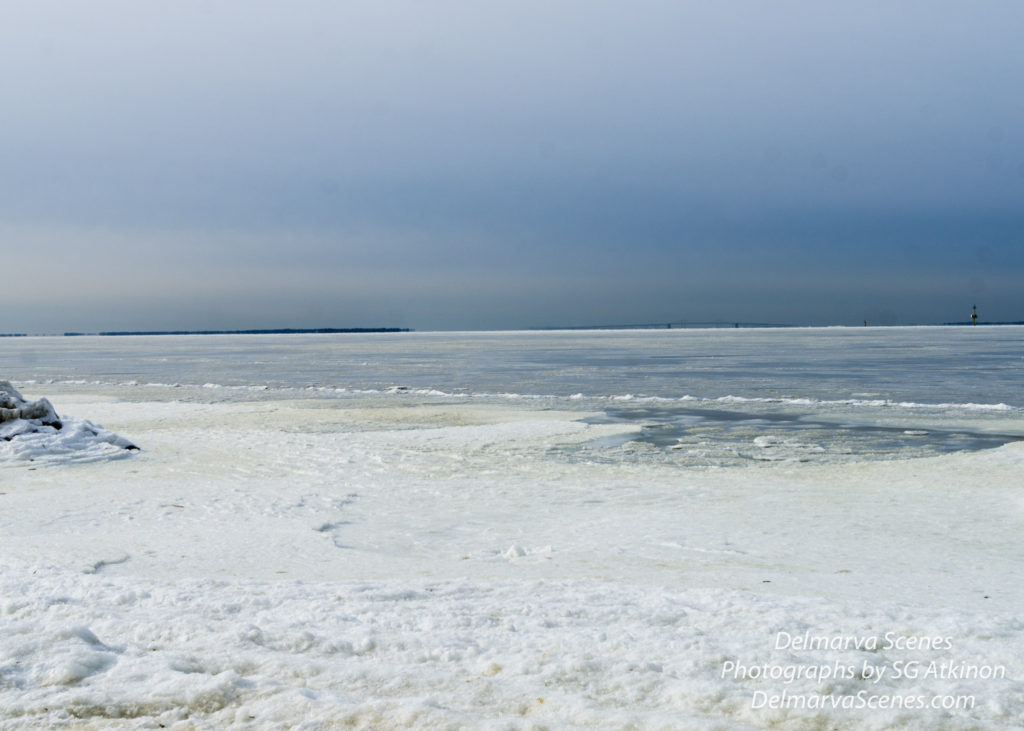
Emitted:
pixel 491 165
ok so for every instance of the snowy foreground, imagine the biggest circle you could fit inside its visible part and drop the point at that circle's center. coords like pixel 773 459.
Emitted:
pixel 397 562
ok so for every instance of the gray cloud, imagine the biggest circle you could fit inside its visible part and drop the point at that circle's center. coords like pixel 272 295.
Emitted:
pixel 457 164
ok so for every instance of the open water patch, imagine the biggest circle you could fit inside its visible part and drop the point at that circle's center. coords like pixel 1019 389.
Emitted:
pixel 726 437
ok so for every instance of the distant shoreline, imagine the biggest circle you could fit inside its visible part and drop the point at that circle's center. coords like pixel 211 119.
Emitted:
pixel 358 330
pixel 277 331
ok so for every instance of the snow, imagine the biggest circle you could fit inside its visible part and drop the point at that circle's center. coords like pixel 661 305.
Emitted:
pixel 387 561
pixel 459 653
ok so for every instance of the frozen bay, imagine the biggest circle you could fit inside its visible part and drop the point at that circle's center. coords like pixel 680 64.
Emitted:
pixel 516 530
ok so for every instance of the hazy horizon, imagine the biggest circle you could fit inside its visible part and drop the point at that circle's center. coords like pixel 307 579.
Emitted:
pixel 388 329
pixel 218 165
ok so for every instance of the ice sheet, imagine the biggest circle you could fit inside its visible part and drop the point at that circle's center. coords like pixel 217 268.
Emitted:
pixel 397 561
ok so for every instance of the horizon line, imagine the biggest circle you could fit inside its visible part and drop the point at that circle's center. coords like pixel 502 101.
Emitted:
pixel 715 325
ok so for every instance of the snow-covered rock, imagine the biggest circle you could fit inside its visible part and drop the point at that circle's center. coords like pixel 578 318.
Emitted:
pixel 13 407
pixel 32 429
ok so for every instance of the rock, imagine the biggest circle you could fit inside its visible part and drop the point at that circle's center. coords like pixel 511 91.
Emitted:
pixel 13 406
pixel 40 432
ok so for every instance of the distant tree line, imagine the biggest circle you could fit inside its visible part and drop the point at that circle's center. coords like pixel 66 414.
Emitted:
pixel 278 331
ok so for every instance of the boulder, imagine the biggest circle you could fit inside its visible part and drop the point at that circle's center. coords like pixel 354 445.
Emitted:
pixel 13 407
pixel 32 430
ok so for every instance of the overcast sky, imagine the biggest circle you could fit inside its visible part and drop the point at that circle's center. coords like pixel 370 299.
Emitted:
pixel 446 165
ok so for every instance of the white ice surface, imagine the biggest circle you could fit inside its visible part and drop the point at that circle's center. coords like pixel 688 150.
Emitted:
pixel 277 563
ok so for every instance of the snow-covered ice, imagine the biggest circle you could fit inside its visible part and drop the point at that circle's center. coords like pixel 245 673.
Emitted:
pixel 387 558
